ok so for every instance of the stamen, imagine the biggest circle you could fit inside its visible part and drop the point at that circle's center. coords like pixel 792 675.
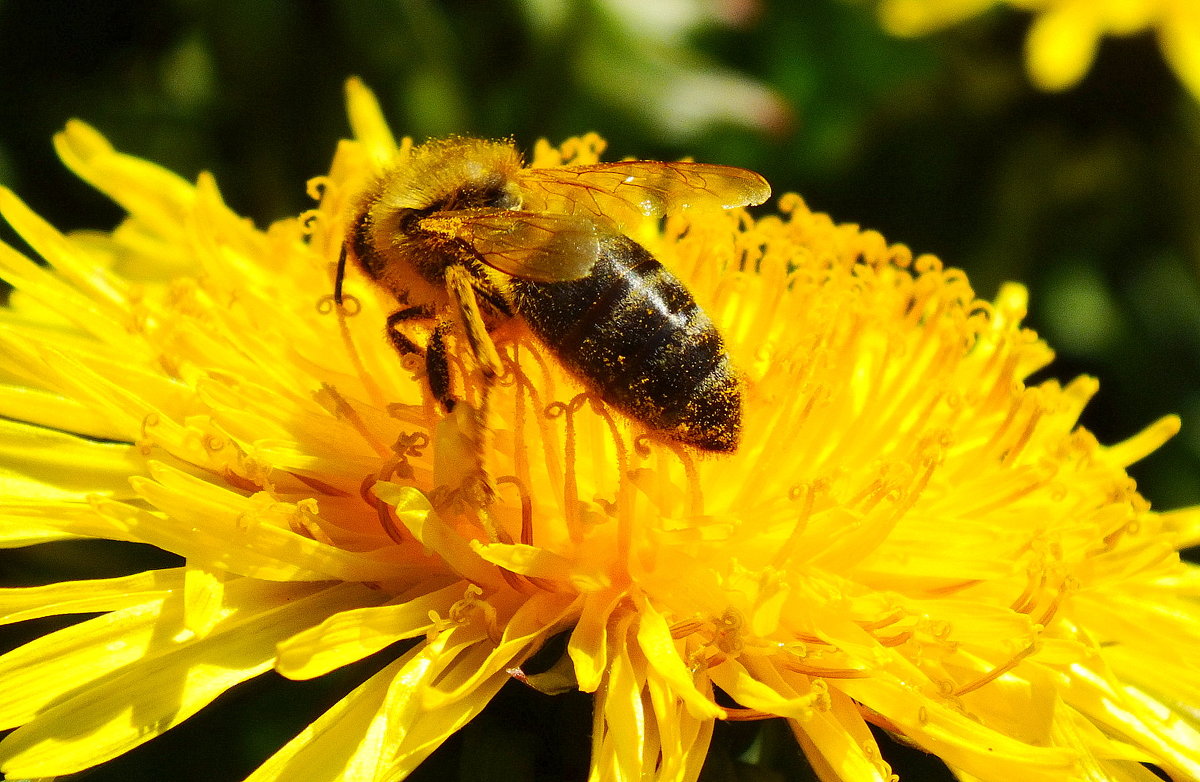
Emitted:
pixel 1068 585
pixel 686 627
pixel 1006 382
pixel 1013 451
pixel 998 671
pixel 320 486
pixel 238 481
pixel 570 484
pixel 516 378
pixel 308 221
pixel 305 520
pixel 868 495
pixel 411 444
pixel 728 632
pixel 360 369
pixel 900 255
pixel 738 714
pixel 145 442
pixel 526 507
pixel 691 476
pixel 388 520
pixel 351 306
pixel 343 409
pixel 883 621
pixel 910 495
pixel 547 433
pixel 470 608
pixel 547 379
pixel 807 494
pixel 318 187
pixel 826 673
pixel 1035 584
pixel 895 640
pixel 149 421
pixel 600 409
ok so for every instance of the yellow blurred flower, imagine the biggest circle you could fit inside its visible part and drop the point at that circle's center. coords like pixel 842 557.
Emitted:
pixel 909 536
pixel 1063 39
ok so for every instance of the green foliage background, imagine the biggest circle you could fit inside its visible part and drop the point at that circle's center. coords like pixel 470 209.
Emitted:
pixel 1090 197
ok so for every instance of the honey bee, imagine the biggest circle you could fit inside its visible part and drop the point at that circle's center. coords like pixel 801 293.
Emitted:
pixel 468 240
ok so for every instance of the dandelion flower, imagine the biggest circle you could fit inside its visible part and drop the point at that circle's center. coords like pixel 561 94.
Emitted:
pixel 910 536
pixel 1064 37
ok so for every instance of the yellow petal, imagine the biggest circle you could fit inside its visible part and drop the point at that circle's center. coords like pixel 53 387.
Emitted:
pixel 344 742
pixel 158 198
pixel 619 737
pixel 382 731
pixel 54 411
pixel 1179 35
pixel 53 293
pixel 157 684
pixel 1061 45
pixel 84 597
pixel 69 259
pixel 589 643
pixel 1184 524
pixel 1124 712
pixel 751 692
pixel 203 599
pixel 434 727
pixel 348 636
pixel 957 739
pixel 245 532
pixel 654 638
pixel 920 17
pixel 28 522
pixel 526 560
pixel 682 739
pixel 367 122
pixel 57 466
pixel 417 515
pixel 1144 442
pixel 839 745
pixel 535 620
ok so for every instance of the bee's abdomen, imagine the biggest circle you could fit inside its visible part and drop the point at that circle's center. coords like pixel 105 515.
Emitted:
pixel 633 333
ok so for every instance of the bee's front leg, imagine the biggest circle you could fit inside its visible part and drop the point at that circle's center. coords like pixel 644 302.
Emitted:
pixel 460 285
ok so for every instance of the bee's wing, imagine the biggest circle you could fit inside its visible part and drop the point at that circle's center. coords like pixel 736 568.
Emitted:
pixel 539 246
pixel 622 193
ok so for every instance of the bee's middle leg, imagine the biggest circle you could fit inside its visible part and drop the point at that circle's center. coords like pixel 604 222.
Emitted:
pixel 465 310
pixel 437 365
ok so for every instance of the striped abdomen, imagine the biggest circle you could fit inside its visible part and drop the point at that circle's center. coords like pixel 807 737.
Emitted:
pixel 631 331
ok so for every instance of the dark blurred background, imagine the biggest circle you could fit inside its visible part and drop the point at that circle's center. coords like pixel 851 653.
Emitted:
pixel 1091 197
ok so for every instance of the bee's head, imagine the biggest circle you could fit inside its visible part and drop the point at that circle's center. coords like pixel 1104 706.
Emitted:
pixel 454 173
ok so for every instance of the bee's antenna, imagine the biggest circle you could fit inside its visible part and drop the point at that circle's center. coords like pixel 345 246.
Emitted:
pixel 341 274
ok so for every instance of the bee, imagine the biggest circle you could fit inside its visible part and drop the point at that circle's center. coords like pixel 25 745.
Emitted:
pixel 468 240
